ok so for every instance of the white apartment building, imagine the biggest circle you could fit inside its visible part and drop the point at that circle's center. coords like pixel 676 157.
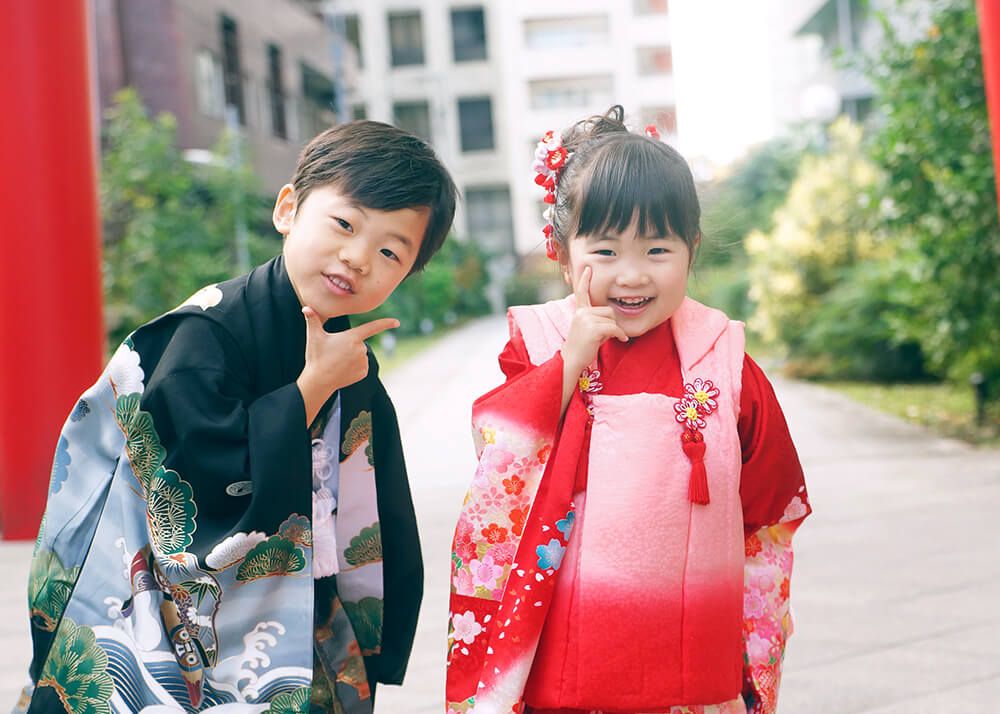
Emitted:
pixel 809 82
pixel 567 59
pixel 434 68
pixel 484 80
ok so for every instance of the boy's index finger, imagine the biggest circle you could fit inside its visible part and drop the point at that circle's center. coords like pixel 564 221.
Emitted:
pixel 370 329
pixel 582 290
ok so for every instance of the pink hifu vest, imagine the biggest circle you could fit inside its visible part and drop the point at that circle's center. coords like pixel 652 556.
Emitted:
pixel 647 609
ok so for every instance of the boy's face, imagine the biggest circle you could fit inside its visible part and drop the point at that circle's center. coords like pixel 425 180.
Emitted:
pixel 643 279
pixel 344 258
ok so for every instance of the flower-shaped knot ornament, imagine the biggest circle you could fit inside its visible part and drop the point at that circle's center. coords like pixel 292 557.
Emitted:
pixel 556 158
pixel 698 402
pixel 689 413
pixel 590 381
pixel 550 159
pixel 703 392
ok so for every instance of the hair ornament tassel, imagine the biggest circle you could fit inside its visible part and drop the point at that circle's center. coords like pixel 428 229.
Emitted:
pixel 550 159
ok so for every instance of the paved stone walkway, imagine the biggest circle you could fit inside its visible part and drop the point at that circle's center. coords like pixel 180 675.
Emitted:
pixel 896 588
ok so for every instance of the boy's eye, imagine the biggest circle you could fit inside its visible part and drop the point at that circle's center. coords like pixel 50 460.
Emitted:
pixel 390 255
pixel 344 224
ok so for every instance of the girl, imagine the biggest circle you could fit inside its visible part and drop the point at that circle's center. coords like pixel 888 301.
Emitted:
pixel 626 542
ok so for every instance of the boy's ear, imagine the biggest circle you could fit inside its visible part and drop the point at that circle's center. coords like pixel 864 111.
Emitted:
pixel 284 209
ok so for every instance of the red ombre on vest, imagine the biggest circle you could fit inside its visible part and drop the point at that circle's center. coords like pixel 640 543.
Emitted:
pixel 647 607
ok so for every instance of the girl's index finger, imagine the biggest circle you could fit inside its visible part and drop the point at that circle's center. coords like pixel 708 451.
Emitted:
pixel 582 290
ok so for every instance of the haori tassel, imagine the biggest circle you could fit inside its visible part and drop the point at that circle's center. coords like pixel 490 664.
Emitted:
pixel 693 444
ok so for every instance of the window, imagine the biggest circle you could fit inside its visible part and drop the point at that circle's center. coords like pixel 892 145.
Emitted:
pixel 211 93
pixel 318 101
pixel 649 7
pixel 588 93
pixel 475 119
pixel 414 117
pixel 406 38
pixel 565 32
pixel 232 72
pixel 488 218
pixel 655 60
pixel 665 118
pixel 352 33
pixel 468 34
pixel 276 92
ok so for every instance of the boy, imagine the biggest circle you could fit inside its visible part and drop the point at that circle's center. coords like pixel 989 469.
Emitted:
pixel 229 518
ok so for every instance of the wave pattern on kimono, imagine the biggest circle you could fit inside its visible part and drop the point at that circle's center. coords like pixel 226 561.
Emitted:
pixel 173 566
pixel 611 588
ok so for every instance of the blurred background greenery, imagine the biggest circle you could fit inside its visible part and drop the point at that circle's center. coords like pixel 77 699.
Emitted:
pixel 858 253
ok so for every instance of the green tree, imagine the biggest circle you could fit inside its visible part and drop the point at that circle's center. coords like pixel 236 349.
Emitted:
pixel 168 225
pixel 735 206
pixel 933 145
pixel 821 277
pixel 451 286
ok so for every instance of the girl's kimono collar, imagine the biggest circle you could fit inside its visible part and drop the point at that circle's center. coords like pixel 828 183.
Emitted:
pixel 696 328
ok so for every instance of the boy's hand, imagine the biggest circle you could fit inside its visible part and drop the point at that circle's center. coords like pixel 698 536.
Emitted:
pixel 334 360
pixel 590 327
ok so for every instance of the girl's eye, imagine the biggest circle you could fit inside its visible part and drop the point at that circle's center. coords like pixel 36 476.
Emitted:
pixel 604 251
pixel 344 224
pixel 390 255
pixel 659 251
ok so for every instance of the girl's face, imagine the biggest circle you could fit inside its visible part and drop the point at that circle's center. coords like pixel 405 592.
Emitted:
pixel 644 279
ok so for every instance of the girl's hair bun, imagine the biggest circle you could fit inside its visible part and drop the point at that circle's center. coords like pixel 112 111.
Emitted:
pixel 596 126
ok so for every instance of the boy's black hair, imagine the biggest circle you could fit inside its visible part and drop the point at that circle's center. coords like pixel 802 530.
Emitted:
pixel 381 167
pixel 614 177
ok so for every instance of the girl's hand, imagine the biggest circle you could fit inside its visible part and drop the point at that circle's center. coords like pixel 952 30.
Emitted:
pixel 334 361
pixel 591 326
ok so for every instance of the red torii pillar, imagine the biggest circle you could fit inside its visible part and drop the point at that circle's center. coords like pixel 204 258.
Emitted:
pixel 51 330
pixel 989 39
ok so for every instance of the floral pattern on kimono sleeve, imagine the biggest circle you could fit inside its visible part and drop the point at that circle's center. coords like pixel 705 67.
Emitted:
pixel 514 428
pixel 767 619
pixel 488 533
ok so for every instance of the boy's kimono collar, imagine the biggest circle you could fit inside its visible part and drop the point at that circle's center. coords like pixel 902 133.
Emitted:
pixel 189 461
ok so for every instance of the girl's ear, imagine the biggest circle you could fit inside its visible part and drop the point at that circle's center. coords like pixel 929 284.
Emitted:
pixel 562 255
pixel 284 210
pixel 694 250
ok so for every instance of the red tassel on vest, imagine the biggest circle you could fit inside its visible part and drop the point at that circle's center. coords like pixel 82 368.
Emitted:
pixel 693 444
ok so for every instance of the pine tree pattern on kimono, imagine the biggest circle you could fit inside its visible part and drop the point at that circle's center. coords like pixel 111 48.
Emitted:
pixel 174 563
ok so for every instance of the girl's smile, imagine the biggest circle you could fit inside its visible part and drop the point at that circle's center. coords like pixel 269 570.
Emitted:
pixel 642 278
pixel 630 306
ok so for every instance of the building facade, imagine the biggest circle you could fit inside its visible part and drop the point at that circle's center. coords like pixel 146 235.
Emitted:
pixel 483 81
pixel 270 60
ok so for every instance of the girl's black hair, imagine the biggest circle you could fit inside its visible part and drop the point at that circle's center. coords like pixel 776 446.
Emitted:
pixel 615 177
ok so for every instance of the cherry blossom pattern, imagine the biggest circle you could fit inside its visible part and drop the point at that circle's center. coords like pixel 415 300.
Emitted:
pixel 466 629
pixel 767 621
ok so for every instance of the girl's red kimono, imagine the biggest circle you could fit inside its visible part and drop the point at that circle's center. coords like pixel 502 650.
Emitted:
pixel 635 555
